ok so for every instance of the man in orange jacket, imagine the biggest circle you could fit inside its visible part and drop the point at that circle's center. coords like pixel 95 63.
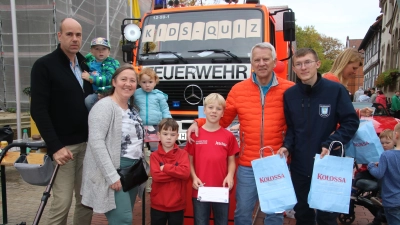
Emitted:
pixel 258 103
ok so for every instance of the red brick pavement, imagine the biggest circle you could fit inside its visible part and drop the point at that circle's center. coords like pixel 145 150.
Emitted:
pixel 363 216
pixel 23 200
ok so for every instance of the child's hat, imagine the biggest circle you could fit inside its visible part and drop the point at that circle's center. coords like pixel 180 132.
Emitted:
pixel 100 41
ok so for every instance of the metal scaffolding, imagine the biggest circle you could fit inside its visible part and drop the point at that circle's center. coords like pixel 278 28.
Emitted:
pixel 37 26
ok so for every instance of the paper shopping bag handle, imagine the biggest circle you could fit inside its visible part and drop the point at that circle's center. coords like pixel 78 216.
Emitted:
pixel 331 145
pixel 262 151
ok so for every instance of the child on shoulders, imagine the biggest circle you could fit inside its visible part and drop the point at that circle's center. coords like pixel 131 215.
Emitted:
pixel 101 69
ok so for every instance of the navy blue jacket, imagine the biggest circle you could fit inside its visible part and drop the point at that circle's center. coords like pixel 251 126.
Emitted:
pixel 312 114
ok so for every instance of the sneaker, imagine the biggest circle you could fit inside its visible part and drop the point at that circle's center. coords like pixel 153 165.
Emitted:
pixel 377 201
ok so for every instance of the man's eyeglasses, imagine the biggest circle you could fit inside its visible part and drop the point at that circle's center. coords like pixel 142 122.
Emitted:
pixel 306 64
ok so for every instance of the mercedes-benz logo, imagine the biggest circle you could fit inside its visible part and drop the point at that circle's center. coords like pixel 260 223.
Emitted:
pixel 191 94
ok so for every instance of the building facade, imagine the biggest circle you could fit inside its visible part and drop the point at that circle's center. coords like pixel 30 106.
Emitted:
pixel 390 40
pixel 358 79
pixel 370 45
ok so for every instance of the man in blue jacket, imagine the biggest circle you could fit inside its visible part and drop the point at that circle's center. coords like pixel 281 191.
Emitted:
pixel 313 108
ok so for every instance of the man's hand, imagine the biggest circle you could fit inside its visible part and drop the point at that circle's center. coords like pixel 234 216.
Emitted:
pixel 85 75
pixel 116 186
pixel 228 181
pixel 283 151
pixel 62 156
pixel 324 152
pixel 193 128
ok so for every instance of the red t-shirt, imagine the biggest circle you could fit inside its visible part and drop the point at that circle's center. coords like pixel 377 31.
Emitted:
pixel 210 152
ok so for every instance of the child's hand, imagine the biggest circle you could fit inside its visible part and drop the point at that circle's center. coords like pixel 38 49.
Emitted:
pixel 85 75
pixel 197 183
pixel 228 181
pixel 100 96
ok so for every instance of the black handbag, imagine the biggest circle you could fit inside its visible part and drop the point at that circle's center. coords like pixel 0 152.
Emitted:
pixel 133 176
pixel 6 134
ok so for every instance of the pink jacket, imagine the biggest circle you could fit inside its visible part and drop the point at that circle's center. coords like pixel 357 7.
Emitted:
pixel 381 99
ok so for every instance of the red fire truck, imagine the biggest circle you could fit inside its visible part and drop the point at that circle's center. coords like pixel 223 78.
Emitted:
pixel 198 50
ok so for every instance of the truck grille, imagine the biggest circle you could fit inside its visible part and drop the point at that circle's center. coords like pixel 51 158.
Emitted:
pixel 176 92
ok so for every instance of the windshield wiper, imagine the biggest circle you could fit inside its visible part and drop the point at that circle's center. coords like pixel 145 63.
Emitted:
pixel 173 53
pixel 227 53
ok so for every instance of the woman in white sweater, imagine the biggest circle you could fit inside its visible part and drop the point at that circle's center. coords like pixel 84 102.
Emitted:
pixel 115 141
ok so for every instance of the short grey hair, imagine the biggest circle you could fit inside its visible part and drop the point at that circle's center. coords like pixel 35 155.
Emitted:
pixel 264 45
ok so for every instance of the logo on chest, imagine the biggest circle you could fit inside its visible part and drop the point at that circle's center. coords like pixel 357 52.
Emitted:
pixel 221 143
pixel 201 142
pixel 324 110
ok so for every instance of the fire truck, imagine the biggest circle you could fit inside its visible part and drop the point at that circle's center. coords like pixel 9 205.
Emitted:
pixel 198 50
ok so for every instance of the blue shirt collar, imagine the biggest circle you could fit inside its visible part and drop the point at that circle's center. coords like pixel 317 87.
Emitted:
pixel 273 80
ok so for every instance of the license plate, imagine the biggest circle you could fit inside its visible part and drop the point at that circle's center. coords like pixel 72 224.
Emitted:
pixel 182 136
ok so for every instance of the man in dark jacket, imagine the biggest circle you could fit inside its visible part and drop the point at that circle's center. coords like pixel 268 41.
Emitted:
pixel 58 109
pixel 313 108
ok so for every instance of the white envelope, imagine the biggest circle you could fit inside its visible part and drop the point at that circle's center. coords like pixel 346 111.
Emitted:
pixel 213 194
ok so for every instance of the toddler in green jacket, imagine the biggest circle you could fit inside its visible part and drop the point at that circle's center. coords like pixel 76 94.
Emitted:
pixel 101 69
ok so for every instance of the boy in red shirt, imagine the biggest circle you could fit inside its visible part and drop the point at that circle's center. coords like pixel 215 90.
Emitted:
pixel 212 161
pixel 170 170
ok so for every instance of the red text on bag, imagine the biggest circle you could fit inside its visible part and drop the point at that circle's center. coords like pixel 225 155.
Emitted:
pixel 271 178
pixel 360 144
pixel 331 178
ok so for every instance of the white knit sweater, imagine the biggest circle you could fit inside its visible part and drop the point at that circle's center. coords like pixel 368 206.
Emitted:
pixel 102 156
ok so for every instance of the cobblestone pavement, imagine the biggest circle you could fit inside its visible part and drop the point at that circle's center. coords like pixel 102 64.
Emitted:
pixel 23 201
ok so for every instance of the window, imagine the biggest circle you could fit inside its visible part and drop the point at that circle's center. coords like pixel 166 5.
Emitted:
pixel 236 31
pixel 374 49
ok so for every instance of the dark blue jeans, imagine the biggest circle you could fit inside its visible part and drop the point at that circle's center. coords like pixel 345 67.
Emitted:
pixel 246 197
pixel 304 214
pixel 392 215
pixel 162 218
pixel 202 212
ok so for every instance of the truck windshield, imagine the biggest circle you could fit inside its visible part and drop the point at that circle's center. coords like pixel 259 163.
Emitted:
pixel 236 31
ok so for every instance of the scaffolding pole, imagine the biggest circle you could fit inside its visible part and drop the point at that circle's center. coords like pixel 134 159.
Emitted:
pixel 108 19
pixel 16 66
pixel 3 68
